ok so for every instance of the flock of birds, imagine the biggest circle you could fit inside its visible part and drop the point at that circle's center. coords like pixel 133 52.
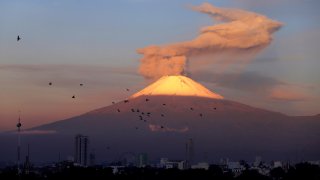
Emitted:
pixel 141 115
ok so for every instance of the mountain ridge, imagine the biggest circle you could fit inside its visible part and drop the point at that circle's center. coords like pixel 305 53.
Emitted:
pixel 161 124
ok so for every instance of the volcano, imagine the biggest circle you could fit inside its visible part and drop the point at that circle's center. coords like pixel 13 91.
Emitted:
pixel 177 86
pixel 161 118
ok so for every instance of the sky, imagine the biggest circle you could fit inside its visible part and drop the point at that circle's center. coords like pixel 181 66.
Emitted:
pixel 95 43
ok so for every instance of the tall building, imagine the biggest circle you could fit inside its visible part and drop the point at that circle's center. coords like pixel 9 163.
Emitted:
pixel 142 160
pixel 257 161
pixel 81 150
pixel 189 152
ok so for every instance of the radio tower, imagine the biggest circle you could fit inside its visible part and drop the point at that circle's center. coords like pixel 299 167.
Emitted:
pixel 19 144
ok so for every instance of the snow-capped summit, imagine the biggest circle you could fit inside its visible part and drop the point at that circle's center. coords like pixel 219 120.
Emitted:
pixel 177 86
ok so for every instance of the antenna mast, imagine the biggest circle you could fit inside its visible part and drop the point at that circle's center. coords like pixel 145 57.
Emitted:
pixel 19 144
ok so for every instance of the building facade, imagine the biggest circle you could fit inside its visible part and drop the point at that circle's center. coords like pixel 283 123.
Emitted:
pixel 81 150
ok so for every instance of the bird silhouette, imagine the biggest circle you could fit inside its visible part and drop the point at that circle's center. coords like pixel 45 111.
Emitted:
pixel 200 114
pixel 126 101
pixel 147 99
pixel 162 127
pixel 18 38
pixel 113 102
pixel 191 109
pixel 215 108
pixel 118 110
pixel 163 104
pixel 73 96
pixel 128 89
pixel 138 110
pixel 162 115
pixel 81 84
pixel 50 83
pixel 132 110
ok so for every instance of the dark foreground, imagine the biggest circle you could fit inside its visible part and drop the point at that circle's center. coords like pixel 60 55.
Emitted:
pixel 67 170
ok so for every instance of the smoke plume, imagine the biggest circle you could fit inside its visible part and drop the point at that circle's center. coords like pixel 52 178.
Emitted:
pixel 239 30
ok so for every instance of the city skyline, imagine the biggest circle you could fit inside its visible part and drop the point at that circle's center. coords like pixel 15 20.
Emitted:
pixel 160 89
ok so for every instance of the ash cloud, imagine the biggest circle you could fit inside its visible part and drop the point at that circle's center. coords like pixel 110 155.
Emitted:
pixel 239 31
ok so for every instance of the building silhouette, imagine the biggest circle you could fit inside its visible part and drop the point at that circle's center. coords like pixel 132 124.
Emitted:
pixel 81 150
pixel 189 153
pixel 142 160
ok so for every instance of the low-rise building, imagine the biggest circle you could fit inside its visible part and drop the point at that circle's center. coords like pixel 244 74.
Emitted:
pixel 201 165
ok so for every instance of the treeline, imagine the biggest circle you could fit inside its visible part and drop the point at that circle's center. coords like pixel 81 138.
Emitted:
pixel 302 171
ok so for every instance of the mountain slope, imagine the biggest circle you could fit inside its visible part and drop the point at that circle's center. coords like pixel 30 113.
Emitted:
pixel 225 129
pixel 161 118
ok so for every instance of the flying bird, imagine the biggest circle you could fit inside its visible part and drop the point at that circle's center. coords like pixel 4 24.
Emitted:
pixel 215 108
pixel 200 114
pixel 18 38
pixel 81 84
pixel 125 101
pixel 147 99
pixel 163 104
pixel 162 115
pixel 191 109
pixel 113 102
pixel 132 110
pixel 162 127
pixel 128 89
pixel 118 110
pixel 50 83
